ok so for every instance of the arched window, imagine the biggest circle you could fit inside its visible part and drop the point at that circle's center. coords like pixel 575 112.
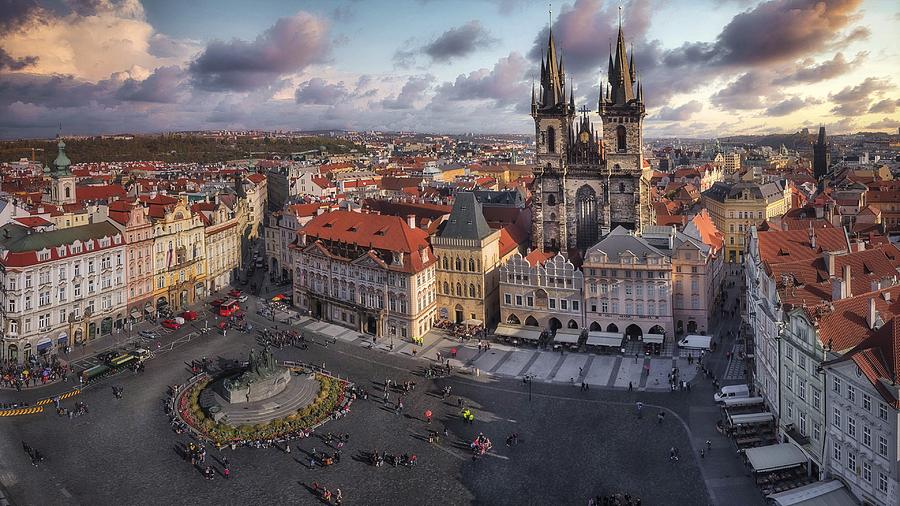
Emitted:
pixel 471 265
pixel 620 138
pixel 445 264
pixel 458 264
pixel 585 217
pixel 472 291
pixel 551 140
pixel 68 192
pixel 551 200
pixel 446 288
pixel 458 290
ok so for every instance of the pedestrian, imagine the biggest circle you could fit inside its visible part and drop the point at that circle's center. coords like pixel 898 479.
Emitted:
pixel 226 472
pixel 630 386
pixel 702 453
pixel 338 497
pixel 708 445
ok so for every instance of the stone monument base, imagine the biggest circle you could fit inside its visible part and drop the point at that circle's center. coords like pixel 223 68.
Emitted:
pixel 260 390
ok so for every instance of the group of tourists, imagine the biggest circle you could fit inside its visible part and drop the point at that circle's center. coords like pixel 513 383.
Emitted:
pixel 480 446
pixel 283 338
pixel 324 494
pixel 79 409
pixel 196 453
pixel 615 500
pixel 19 376
pixel 36 456
pixel 378 459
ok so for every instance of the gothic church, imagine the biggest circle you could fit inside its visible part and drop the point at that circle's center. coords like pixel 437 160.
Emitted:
pixel 587 183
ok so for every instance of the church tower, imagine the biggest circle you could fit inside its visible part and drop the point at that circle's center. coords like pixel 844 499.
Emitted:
pixel 821 155
pixel 553 111
pixel 62 182
pixel 621 107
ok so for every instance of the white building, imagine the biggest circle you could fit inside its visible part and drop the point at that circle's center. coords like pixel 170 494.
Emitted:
pixel 59 287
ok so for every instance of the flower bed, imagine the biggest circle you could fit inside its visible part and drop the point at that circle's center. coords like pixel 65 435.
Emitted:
pixel 330 400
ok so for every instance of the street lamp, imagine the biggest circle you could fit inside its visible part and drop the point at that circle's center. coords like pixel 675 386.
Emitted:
pixel 528 379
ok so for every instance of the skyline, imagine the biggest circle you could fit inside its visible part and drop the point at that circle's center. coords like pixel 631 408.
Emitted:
pixel 739 68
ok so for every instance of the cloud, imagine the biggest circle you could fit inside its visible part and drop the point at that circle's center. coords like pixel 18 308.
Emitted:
pixel 412 93
pixel 745 92
pixel 852 101
pixel 163 46
pixel 121 8
pixel 786 106
pixel 290 45
pixel 888 105
pixel 885 123
pixel 680 113
pixel 18 14
pixel 7 62
pixel 458 42
pixel 162 86
pixel 828 69
pixel 505 83
pixel 319 92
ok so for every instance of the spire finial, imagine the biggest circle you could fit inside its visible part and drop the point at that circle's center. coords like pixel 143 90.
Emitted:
pixel 550 12
pixel 620 16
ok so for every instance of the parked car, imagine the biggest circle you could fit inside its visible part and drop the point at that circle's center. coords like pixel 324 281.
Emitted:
pixel 242 298
pixel 189 315
pixel 142 354
pixel 171 324
pixel 148 334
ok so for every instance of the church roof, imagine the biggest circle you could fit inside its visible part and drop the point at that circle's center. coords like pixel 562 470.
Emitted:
pixel 466 219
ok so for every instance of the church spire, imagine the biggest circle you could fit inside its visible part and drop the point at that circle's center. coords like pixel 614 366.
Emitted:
pixel 621 75
pixel 552 91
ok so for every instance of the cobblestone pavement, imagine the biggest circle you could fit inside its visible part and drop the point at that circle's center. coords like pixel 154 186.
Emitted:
pixel 573 443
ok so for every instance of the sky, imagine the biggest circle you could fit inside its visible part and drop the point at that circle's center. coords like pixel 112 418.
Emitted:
pixel 709 68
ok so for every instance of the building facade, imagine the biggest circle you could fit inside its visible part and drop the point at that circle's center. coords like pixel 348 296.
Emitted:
pixel 541 290
pixel 371 273
pixel 223 243
pixel 60 287
pixel 132 220
pixel 179 254
pixel 735 207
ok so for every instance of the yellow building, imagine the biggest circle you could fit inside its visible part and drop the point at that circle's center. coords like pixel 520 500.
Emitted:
pixel 734 207
pixel 469 254
pixel 179 254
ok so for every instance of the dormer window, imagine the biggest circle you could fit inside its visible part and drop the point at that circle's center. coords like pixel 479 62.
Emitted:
pixel 43 256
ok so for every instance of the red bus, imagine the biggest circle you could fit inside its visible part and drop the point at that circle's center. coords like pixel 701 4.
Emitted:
pixel 228 308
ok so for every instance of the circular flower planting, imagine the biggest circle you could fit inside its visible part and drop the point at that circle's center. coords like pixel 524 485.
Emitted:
pixel 330 402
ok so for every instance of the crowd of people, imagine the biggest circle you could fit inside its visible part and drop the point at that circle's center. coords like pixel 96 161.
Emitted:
pixel 34 371
pixel 282 338
pixel 36 456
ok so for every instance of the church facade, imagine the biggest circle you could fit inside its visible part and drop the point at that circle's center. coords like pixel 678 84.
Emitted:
pixel 588 181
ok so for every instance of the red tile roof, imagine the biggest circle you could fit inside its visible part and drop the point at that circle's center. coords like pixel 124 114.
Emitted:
pixel 32 221
pixel 256 178
pixel 538 257
pixel 846 326
pixel 778 246
pixel 709 234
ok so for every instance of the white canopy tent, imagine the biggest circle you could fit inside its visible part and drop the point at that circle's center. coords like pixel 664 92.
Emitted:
pixel 820 493
pixel 751 418
pixel 654 338
pixel 517 332
pixel 775 457
pixel 605 339
pixel 567 336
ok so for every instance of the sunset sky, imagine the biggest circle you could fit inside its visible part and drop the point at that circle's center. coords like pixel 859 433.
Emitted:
pixel 709 67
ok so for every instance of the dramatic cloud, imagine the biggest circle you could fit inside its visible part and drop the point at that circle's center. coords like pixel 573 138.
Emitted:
pixel 788 106
pixel 162 86
pixel 828 69
pixel 680 113
pixel 7 62
pixel 163 46
pixel 17 14
pixel 319 92
pixel 121 8
pixel 458 42
pixel 853 101
pixel 888 105
pixel 885 123
pixel 505 83
pixel 290 45
pixel 412 93
pixel 745 92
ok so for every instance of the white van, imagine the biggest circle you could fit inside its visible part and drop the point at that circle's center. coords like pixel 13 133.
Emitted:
pixel 693 342
pixel 732 392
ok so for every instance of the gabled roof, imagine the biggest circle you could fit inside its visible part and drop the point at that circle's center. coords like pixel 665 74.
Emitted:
pixel 466 219
pixel 878 357
pixel 620 241
pixel 778 246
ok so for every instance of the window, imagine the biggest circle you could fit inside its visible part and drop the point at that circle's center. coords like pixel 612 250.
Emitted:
pixel 44 277
pixel 507 297
pixel 836 417
pixel 801 389
pixel 851 393
pixel 817 398
pixel 11 305
pixel 882 411
pixel 867 436
pixel 563 304
pixel 604 307
pixel 882 446
pixel 77 289
pixel 790 410
pixel 518 300
pixel 789 353
pixel 817 431
pixel 851 426
pixel 574 305
pixel 529 301
pixel 44 321
pixel 801 361
pixel 851 461
pixel 867 472
pixel 836 452
pixel 802 422
pixel 44 298
pixel 882 483
pixel 788 379
pixel 836 385
pixel 552 303
pixel 867 402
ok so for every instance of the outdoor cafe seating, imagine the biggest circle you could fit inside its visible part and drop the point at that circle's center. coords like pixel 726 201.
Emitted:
pixel 778 467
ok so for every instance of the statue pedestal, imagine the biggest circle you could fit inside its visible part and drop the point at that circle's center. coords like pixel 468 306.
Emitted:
pixel 258 390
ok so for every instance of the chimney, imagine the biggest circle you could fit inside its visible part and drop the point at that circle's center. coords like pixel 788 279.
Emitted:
pixel 872 315
pixel 860 245
pixel 875 286
pixel 886 295
pixel 411 220
pixel 848 288
pixel 829 261
pixel 812 237
pixel 837 288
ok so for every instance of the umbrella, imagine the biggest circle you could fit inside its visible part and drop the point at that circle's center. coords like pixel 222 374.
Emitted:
pixel 427 413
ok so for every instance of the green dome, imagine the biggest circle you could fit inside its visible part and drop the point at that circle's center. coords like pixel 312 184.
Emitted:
pixel 62 161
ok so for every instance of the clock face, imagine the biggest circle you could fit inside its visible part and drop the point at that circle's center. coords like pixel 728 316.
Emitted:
pixel 585 137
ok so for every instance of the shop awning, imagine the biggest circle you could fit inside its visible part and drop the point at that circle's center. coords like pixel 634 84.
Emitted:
pixel 654 338
pixel 598 338
pixel 774 457
pixel 135 314
pixel 518 332
pixel 820 493
pixel 751 418
pixel 473 322
pixel 44 343
pixel 63 339
pixel 567 336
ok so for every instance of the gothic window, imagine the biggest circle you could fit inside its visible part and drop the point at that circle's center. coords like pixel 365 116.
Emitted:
pixel 472 291
pixel 446 288
pixel 471 265
pixel 445 264
pixel 458 290
pixel 620 138
pixel 68 192
pixel 551 200
pixel 586 217
pixel 458 264
pixel 551 140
